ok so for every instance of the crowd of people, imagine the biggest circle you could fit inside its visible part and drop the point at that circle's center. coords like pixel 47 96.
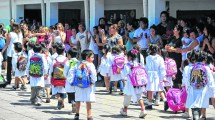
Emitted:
pixel 66 60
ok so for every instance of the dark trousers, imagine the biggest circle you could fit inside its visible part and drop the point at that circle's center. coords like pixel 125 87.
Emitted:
pixel 145 54
pixel 71 97
pixel 9 68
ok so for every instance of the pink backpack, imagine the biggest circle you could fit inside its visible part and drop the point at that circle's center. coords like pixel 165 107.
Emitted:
pixel 139 76
pixel 171 67
pixel 118 64
pixel 176 99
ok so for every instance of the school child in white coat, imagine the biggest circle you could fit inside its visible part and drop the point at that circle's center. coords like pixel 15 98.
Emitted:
pixel 105 64
pixel 69 73
pixel 47 78
pixel 129 91
pixel 37 75
pixel 198 97
pixel 156 75
pixel 86 94
pixel 18 67
pixel 116 52
pixel 59 91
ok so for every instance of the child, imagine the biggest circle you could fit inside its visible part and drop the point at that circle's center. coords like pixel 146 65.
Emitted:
pixel 57 78
pixel 130 89
pixel 114 69
pixel 30 49
pixel 85 92
pixel 37 70
pixel 54 55
pixel 185 41
pixel 104 65
pixel 47 78
pixel 19 62
pixel 199 80
pixel 156 73
pixel 69 73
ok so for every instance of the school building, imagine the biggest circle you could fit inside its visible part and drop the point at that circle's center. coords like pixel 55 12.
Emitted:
pixel 50 12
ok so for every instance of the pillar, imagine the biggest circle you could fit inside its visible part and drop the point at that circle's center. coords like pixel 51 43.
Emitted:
pixel 145 8
pixel 43 12
pixel 96 12
pixel 155 7
pixel 51 13
pixel 19 13
pixel 86 12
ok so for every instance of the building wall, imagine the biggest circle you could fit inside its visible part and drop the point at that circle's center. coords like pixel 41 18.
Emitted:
pixel 190 5
pixel 5 12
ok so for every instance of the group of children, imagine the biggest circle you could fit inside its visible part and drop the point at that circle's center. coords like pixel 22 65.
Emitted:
pixel 67 76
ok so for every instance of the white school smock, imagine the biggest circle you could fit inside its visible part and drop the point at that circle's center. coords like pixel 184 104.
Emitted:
pixel 87 94
pixel 37 81
pixel 104 65
pixel 69 73
pixel 129 90
pixel 156 73
pixel 48 62
pixel 57 89
pixel 18 73
pixel 197 98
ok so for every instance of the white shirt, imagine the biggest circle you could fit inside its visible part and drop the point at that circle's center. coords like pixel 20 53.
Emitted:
pixel 81 37
pixel 57 39
pixel 142 42
pixel 73 41
pixel 13 39
pixel 93 46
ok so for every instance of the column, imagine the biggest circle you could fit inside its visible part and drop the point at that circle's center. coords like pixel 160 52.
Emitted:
pixel 43 12
pixel 86 11
pixel 19 13
pixel 96 11
pixel 51 13
pixel 154 10
pixel 145 8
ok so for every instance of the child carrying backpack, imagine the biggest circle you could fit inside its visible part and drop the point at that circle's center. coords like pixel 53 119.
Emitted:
pixel 199 80
pixel 19 63
pixel 36 70
pixel 136 80
pixel 58 79
pixel 84 79
pixel 69 73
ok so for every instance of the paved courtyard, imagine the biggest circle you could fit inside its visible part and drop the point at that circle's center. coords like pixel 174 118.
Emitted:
pixel 15 105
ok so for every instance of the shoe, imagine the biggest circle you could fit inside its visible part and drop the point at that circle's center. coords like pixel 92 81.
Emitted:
pixel 143 114
pixel 38 104
pixel 90 118
pixel 122 112
pixel 149 107
pixel 203 118
pixel 156 103
pixel 121 93
pixel 186 115
pixel 166 106
pixel 73 107
pixel 14 87
pixel 48 100
pixel 60 105
pixel 23 87
pixel 76 117
pixel 196 113
pixel 114 89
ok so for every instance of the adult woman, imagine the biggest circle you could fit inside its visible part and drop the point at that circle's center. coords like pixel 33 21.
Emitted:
pixel 154 38
pixel 82 37
pixel 12 37
pixel 101 29
pixel 176 43
pixel 114 38
pixel 131 26
pixel 73 41
pixel 59 36
pixel 68 33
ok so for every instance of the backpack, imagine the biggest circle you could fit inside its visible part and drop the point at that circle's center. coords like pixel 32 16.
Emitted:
pixel 198 78
pixel 139 76
pixel 21 63
pixel 36 66
pixel 118 64
pixel 58 78
pixel 2 42
pixel 82 76
pixel 171 67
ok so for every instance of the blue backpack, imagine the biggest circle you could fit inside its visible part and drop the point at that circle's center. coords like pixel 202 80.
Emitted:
pixel 2 43
pixel 82 76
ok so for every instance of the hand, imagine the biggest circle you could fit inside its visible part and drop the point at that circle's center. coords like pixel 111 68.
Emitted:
pixel 87 33
pixel 173 77
pixel 206 41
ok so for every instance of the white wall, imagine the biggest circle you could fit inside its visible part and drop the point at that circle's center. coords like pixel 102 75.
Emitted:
pixel 191 5
pixel 125 5
pixel 5 12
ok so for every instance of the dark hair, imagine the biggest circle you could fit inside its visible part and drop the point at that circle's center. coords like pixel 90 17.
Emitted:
pixel 154 27
pixel 60 49
pixel 96 27
pixel 52 27
pixel 144 20
pixel 43 44
pixel 101 26
pixel 137 47
pixel 18 46
pixel 153 49
pixel 164 54
pixel 210 59
pixel 187 31
pixel 166 13
pixel 132 55
pixel 37 48
pixel 133 23
pixel 83 26
pixel 191 56
pixel 193 30
pixel 86 54
pixel 107 48
pixel 115 50
pixel 200 26
pixel 55 45
pixel 179 28
pixel 72 52
pixel 31 44
pixel 196 56
pixel 210 29
pixel 103 19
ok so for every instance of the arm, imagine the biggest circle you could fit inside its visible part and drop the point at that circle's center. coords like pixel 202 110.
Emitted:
pixel 162 70
pixel 93 73
pixel 62 36
pixel 120 42
pixel 104 38
pixel 97 41
pixel 88 38
pixel 210 47
pixel 191 47
pixel 7 43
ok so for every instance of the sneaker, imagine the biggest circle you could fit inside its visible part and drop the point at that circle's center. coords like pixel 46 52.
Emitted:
pixel 37 104
pixel 148 107
pixel 114 89
pixel 23 87
pixel 122 112
pixel 73 107
pixel 143 114
pixel 166 106
pixel 196 113
pixel 121 93
pixel 14 87
pixel 76 117
pixel 59 105
pixel 156 103
pixel 48 100
pixel 186 115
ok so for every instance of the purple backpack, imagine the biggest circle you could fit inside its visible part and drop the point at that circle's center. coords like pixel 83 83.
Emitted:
pixel 118 64
pixel 171 67
pixel 139 76
pixel 198 78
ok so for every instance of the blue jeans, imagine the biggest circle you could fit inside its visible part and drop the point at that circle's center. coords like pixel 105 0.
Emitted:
pixel 121 86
